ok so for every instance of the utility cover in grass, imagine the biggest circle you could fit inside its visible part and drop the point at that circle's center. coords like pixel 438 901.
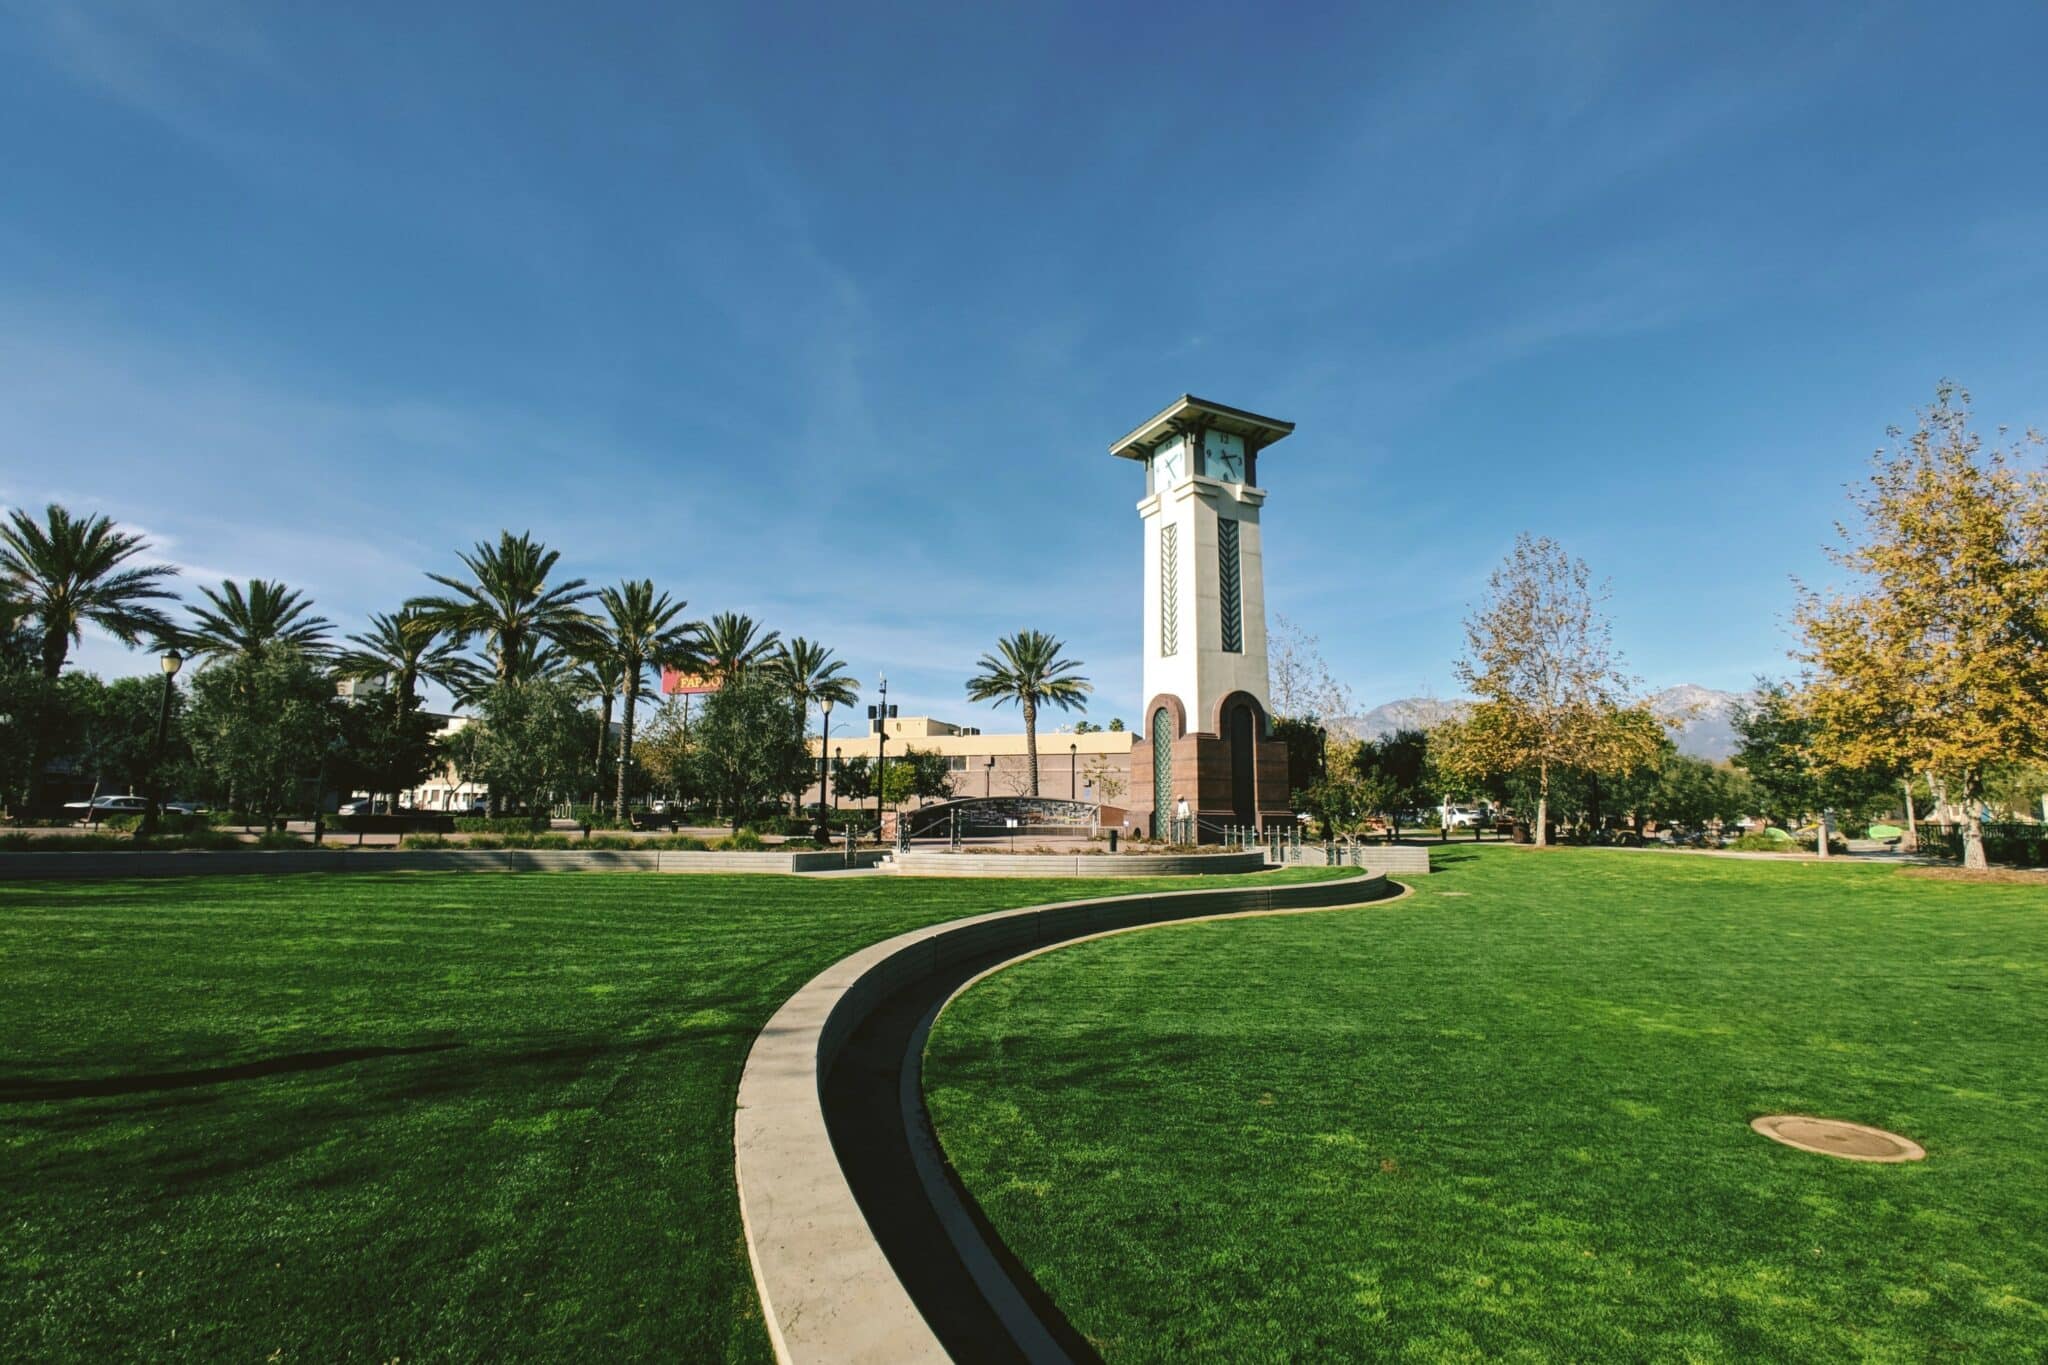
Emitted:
pixel 1838 1137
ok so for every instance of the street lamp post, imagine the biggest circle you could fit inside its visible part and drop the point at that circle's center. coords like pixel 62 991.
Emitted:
pixel 1073 772
pixel 824 772
pixel 171 661
pixel 838 767
pixel 988 787
pixel 881 752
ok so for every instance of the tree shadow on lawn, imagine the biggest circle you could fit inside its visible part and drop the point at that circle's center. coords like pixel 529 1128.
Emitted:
pixel 22 1090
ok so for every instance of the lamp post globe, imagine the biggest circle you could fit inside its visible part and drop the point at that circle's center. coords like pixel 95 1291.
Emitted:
pixel 171 661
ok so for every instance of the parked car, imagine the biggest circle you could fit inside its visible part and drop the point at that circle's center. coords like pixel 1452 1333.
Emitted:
pixel 365 805
pixel 188 808
pixel 1459 817
pixel 100 807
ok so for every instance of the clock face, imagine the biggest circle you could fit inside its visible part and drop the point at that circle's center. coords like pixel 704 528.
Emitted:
pixel 1172 461
pixel 1223 456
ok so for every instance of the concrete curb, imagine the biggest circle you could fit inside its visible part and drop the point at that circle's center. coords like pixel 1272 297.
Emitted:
pixel 827 1290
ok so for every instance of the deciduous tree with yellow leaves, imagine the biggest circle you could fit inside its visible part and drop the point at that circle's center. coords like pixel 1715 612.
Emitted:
pixel 1935 658
pixel 1547 680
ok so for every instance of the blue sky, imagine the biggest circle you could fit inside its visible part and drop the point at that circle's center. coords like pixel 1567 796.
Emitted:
pixel 828 315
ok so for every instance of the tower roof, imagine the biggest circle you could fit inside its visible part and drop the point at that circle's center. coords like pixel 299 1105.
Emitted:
pixel 1187 410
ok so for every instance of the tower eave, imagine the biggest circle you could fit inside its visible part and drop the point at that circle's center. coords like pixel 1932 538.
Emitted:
pixel 1175 416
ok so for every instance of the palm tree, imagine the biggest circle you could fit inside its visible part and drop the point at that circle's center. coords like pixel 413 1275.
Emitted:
pixel 640 632
pixel 1029 672
pixel 511 605
pixel 810 675
pixel 731 643
pixel 66 571
pixel 243 624
pixel 408 649
pixel 599 678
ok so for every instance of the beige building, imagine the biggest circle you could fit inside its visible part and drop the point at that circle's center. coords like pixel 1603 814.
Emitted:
pixel 1083 767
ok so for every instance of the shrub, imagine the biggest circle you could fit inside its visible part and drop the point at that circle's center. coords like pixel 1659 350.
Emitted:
pixel 427 841
pixel 1764 841
pixel 742 840
pixel 277 838
pixel 501 824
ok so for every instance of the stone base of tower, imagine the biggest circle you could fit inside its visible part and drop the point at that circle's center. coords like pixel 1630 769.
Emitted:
pixel 1218 796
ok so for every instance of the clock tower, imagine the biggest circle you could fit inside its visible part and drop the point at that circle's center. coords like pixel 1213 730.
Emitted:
pixel 1206 734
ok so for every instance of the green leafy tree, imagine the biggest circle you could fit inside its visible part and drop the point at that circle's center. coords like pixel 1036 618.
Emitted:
pixel 854 779
pixel 1027 669
pixel 260 727
pixel 1340 794
pixel 1395 774
pixel 526 743
pixel 1935 659
pixel 242 623
pixel 509 604
pixel 1775 745
pixel 387 745
pixel 665 751
pixel 927 776
pixel 746 752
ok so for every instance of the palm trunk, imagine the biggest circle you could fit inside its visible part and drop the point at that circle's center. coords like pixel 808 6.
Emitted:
pixel 1973 822
pixel 604 734
pixel 1031 740
pixel 55 645
pixel 1543 805
pixel 625 749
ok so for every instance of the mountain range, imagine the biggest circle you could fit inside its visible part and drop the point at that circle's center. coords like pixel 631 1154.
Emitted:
pixel 1702 719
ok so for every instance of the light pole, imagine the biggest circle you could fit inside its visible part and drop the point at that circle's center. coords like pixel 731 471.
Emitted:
pixel 988 787
pixel 881 752
pixel 838 767
pixel 171 661
pixel 824 773
pixel 1074 772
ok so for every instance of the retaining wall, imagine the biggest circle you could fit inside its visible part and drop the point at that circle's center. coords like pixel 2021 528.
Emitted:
pixel 924 863
pixel 24 866
pixel 827 1290
pixel 1404 859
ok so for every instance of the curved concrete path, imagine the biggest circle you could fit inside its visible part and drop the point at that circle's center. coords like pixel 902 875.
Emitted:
pixel 863 1247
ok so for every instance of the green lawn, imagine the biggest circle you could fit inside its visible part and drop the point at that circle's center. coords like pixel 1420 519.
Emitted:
pixel 372 1117
pixel 1508 1117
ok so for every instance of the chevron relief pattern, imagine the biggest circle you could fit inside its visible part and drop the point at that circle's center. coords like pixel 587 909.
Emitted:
pixel 1169 590
pixel 1230 585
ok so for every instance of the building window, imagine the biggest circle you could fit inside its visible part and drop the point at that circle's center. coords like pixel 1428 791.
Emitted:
pixel 1230 586
pixel 1169 595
